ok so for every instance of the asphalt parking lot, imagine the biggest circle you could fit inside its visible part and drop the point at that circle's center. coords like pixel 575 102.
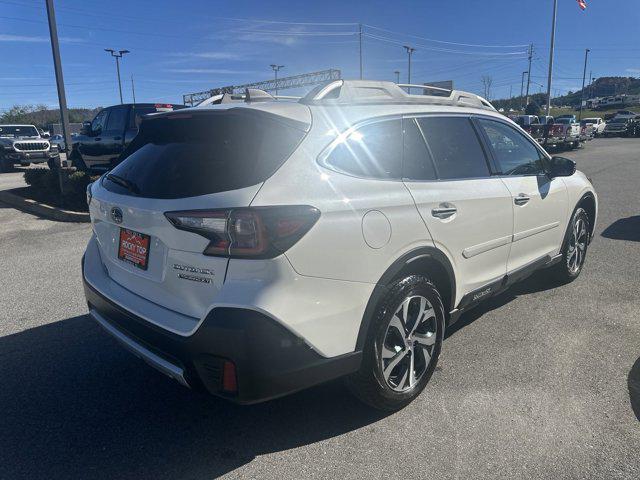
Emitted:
pixel 539 382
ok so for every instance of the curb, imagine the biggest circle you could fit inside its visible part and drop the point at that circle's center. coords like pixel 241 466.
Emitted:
pixel 41 209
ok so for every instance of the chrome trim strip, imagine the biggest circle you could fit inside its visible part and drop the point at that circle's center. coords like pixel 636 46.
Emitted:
pixel 534 231
pixel 138 350
pixel 485 247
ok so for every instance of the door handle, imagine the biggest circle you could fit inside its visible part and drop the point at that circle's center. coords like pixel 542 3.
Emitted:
pixel 521 199
pixel 444 210
pixel 97 139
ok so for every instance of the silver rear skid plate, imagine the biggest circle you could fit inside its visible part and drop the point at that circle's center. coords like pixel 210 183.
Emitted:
pixel 157 362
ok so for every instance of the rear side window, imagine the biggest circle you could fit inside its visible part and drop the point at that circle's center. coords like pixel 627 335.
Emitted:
pixel 372 151
pixel 455 147
pixel 117 119
pixel 418 163
pixel 185 155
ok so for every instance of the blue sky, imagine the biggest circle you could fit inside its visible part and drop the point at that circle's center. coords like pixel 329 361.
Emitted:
pixel 184 46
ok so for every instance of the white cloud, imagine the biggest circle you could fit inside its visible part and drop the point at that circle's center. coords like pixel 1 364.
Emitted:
pixel 37 39
pixel 217 71
pixel 208 55
pixel 634 71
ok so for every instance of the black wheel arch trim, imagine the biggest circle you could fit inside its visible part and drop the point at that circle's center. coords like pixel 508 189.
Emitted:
pixel 592 221
pixel 392 271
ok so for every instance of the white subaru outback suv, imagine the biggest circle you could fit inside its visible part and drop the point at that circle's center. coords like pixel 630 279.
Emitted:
pixel 261 247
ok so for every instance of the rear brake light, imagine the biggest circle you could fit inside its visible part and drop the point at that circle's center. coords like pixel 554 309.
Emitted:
pixel 250 232
pixel 229 379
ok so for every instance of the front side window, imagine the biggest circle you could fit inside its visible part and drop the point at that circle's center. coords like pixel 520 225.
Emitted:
pixel 98 123
pixel 455 147
pixel 515 154
pixel 372 151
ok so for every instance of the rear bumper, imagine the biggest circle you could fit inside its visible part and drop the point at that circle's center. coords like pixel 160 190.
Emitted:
pixel 270 361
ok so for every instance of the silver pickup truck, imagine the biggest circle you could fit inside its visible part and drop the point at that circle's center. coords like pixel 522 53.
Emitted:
pixel 23 145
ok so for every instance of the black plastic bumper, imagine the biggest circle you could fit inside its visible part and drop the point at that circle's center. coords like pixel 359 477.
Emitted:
pixel 270 361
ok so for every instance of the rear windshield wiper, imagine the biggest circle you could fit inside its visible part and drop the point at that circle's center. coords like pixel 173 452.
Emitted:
pixel 123 182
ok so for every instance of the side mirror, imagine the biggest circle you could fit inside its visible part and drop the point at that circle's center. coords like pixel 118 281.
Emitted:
pixel 86 128
pixel 562 167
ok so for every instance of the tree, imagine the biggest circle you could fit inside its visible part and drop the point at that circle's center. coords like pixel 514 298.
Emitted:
pixel 532 109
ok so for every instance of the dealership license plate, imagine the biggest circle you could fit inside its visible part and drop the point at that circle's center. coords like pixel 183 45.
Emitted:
pixel 133 248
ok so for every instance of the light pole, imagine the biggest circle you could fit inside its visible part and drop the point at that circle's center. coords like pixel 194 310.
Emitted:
pixel 553 41
pixel 275 71
pixel 584 74
pixel 522 89
pixel 397 72
pixel 118 55
pixel 410 51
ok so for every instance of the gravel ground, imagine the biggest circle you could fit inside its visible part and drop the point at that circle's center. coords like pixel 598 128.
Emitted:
pixel 539 382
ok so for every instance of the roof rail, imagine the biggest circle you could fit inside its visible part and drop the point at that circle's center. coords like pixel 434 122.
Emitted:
pixel 424 87
pixel 362 92
pixel 250 95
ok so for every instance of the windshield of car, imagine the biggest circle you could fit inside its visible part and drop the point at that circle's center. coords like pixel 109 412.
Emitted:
pixel 564 121
pixel 18 131
pixel 619 120
pixel 191 154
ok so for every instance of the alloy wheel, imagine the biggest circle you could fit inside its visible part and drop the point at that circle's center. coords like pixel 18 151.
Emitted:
pixel 577 246
pixel 408 343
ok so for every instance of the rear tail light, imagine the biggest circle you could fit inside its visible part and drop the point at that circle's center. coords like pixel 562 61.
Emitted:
pixel 249 232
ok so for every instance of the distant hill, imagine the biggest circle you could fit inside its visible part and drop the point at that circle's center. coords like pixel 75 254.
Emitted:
pixel 42 116
pixel 601 87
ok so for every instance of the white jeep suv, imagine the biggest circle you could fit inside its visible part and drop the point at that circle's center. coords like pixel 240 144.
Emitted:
pixel 259 247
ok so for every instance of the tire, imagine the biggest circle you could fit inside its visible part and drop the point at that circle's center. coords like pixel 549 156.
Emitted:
pixel 392 341
pixel 52 164
pixel 5 165
pixel 569 268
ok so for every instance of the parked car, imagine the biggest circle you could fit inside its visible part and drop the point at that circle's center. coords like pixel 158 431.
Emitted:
pixel 531 125
pixel 23 145
pixel 619 127
pixel 58 140
pixel 598 125
pixel 567 129
pixel 99 145
pixel 260 248
pixel 587 131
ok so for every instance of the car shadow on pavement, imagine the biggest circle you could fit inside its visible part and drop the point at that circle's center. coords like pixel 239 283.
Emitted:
pixel 624 229
pixel 633 382
pixel 74 404
pixel 539 281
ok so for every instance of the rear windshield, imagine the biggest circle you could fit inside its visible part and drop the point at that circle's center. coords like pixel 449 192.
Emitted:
pixel 198 153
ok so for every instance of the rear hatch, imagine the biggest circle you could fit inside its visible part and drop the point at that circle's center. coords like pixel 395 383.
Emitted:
pixel 189 160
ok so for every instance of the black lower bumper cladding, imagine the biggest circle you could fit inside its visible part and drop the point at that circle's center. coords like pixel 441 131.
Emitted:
pixel 270 361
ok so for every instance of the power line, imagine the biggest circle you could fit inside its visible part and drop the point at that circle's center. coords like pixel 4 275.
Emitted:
pixel 438 49
pixel 442 41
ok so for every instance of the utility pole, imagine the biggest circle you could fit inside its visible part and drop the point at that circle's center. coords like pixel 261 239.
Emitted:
pixel 410 51
pixel 360 35
pixel 553 39
pixel 133 90
pixel 522 90
pixel 397 72
pixel 62 98
pixel 118 55
pixel 529 73
pixel 510 92
pixel 591 84
pixel 584 74
pixel 275 71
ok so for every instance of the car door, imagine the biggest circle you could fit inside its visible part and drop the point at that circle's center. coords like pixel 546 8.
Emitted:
pixel 539 203
pixel 91 146
pixel 466 209
pixel 113 135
